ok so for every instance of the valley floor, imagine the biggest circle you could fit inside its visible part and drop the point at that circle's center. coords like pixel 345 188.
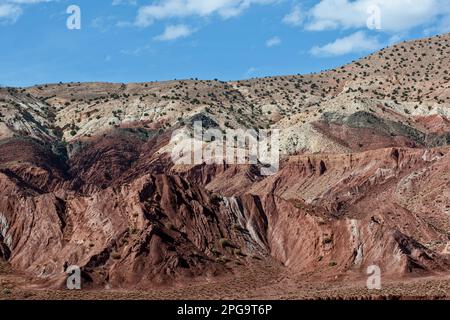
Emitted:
pixel 265 282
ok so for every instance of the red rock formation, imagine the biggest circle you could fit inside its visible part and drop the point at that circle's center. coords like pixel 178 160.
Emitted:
pixel 130 219
pixel 111 201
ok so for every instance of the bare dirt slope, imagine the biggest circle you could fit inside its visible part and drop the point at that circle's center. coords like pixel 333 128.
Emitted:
pixel 86 179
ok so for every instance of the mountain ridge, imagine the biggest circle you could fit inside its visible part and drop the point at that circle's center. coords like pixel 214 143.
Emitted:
pixel 87 178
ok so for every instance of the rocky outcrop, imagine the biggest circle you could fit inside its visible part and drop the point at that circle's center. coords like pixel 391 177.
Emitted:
pixel 86 176
pixel 155 230
pixel 333 214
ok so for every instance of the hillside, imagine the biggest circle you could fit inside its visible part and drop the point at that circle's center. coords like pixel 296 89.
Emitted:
pixel 86 178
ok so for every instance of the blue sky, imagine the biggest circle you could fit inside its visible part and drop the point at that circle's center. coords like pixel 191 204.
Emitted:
pixel 145 40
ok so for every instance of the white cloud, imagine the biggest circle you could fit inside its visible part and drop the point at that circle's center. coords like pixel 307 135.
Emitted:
pixel 175 32
pixel 442 26
pixel 295 17
pixel 355 43
pixel 396 15
pixel 9 12
pixel 185 8
pixel 272 42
